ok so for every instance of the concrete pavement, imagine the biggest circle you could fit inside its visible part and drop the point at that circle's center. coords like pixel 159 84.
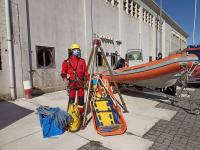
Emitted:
pixel 182 132
pixel 26 133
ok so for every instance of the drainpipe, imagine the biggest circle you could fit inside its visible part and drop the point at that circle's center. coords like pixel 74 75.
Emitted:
pixel 161 29
pixel 10 49
pixel 29 43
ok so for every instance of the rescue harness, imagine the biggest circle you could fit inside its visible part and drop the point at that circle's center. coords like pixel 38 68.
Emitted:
pixel 77 78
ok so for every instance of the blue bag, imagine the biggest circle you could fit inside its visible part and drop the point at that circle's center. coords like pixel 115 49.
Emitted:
pixel 53 121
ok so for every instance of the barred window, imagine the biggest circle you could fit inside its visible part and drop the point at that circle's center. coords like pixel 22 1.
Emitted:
pixel 124 5
pixel 113 2
pixel 109 1
pixel 45 57
pixel 116 3
pixel 147 17
pixel 131 8
pixel 157 23
pixel 144 15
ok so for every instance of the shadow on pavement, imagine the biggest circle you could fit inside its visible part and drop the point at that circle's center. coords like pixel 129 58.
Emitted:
pixel 93 145
pixel 147 94
pixel 37 92
pixel 10 113
pixel 158 97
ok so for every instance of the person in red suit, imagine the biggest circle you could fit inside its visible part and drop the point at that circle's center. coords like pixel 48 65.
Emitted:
pixel 75 75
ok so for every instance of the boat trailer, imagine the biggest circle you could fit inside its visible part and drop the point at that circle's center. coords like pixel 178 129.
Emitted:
pixel 185 93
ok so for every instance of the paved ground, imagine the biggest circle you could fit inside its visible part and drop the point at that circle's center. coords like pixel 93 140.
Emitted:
pixel 10 113
pixel 182 132
pixel 26 133
pixel 151 125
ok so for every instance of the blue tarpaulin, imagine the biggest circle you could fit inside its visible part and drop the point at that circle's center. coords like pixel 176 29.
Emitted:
pixel 53 120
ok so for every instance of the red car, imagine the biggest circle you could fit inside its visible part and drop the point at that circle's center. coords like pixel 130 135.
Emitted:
pixel 195 77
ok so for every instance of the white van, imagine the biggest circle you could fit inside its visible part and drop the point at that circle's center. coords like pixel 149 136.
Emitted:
pixel 134 57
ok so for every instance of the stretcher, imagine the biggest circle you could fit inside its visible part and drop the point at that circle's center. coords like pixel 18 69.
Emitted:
pixel 106 114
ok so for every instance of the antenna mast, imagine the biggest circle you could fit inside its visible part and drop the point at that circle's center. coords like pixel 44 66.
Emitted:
pixel 194 27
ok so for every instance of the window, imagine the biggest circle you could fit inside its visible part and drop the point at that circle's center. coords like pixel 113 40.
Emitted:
pixel 116 3
pixel 124 5
pixel 134 55
pixel 109 1
pixel 113 59
pixel 45 57
pixel 144 16
pixel 131 8
pixel 99 59
pixel 0 60
pixel 136 9
pixel 147 17
pixel 150 19
pixel 157 24
pixel 113 2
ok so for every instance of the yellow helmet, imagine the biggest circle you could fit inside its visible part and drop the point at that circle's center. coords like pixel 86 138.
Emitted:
pixel 75 46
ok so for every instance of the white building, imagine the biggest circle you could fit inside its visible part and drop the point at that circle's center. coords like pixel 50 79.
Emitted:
pixel 42 31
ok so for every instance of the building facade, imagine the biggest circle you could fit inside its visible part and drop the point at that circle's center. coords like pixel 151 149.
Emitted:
pixel 42 31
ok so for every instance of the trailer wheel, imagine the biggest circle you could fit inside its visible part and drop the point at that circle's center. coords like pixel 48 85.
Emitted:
pixel 196 111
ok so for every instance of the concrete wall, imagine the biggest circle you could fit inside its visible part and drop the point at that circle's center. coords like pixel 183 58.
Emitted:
pixel 105 26
pixel 147 41
pixel 59 23
pixel 129 32
pixel 4 73
pixel 174 41
pixel 168 37
pixel 54 26
pixel 149 35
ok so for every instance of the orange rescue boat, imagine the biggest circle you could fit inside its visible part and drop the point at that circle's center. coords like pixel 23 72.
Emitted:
pixel 156 74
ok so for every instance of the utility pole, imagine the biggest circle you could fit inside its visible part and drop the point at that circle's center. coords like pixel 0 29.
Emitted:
pixel 194 25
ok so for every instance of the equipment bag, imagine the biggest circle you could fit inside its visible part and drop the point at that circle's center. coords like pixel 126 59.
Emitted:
pixel 75 123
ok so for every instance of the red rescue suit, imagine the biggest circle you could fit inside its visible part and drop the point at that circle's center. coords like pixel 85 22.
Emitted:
pixel 76 68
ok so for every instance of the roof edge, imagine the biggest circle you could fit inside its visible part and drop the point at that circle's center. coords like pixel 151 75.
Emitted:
pixel 154 6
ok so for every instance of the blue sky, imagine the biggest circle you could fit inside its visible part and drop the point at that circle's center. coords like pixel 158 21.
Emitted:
pixel 182 11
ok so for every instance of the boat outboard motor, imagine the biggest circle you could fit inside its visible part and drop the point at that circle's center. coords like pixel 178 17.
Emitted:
pixel 120 64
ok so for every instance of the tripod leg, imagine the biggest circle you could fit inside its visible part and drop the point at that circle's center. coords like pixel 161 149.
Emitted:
pixel 115 84
pixel 88 90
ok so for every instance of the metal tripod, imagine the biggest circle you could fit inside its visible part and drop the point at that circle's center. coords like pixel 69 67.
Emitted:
pixel 92 63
